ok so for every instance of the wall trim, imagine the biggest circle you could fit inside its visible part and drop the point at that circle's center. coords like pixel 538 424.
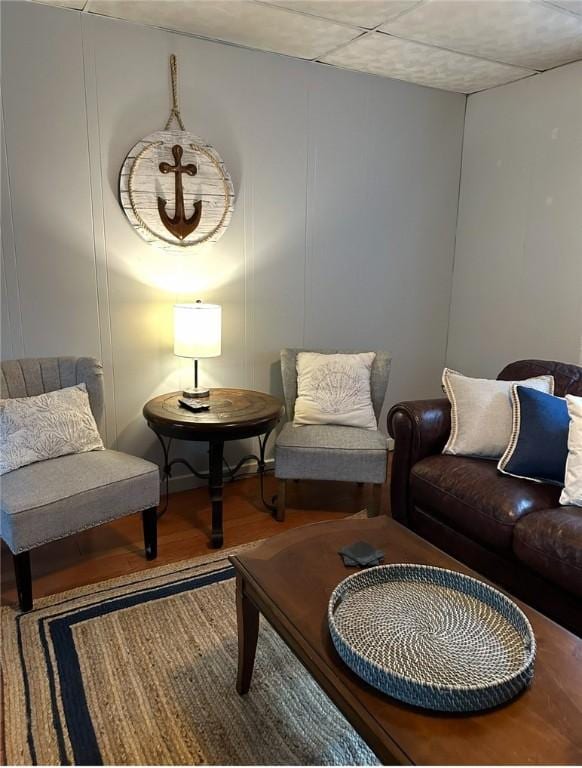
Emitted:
pixel 452 282
pixel 98 222
pixel 9 258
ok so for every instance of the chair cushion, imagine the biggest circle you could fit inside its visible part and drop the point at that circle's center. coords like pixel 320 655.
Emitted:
pixel 35 375
pixel 330 452
pixel 471 496
pixel 334 389
pixel 46 426
pixel 550 543
pixel 58 497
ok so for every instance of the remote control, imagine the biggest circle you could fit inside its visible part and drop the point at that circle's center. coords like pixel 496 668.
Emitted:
pixel 191 404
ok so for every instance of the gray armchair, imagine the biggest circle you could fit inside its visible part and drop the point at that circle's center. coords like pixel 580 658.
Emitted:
pixel 330 452
pixel 52 499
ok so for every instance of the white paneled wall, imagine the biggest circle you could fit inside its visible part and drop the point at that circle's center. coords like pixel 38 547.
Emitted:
pixel 45 130
pixel 517 289
pixel 343 231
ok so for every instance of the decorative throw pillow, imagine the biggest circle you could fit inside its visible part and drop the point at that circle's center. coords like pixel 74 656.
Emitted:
pixel 538 446
pixel 334 389
pixel 46 426
pixel 481 413
pixel 572 493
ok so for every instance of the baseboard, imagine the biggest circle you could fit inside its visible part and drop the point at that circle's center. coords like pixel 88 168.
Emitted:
pixel 187 482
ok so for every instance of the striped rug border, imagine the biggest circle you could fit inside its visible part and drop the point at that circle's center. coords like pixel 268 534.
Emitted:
pixel 79 726
pixel 55 616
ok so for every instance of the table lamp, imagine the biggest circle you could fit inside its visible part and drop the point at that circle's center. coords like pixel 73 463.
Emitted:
pixel 197 331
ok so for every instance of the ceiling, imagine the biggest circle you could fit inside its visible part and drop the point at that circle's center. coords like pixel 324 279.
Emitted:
pixel 456 45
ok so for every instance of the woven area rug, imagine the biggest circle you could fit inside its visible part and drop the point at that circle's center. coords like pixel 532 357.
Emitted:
pixel 141 671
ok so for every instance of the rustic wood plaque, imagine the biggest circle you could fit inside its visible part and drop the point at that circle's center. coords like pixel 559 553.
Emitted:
pixel 176 191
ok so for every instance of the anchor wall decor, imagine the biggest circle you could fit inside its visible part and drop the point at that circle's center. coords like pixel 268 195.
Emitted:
pixel 174 188
pixel 179 225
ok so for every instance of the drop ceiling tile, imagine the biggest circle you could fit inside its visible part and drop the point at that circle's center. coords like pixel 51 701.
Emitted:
pixel 389 56
pixel 575 6
pixel 527 34
pixel 242 22
pixel 362 13
pixel 77 5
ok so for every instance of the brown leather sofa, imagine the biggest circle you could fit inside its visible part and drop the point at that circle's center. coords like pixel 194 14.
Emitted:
pixel 512 531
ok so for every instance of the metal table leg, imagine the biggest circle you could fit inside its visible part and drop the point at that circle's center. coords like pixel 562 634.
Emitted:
pixel 215 478
pixel 271 506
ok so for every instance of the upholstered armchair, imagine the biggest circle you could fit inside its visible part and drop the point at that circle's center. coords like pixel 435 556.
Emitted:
pixel 52 499
pixel 330 452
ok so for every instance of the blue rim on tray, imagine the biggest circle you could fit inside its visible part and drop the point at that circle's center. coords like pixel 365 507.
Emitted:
pixel 432 637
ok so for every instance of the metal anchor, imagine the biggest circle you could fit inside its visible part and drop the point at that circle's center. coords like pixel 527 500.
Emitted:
pixel 179 226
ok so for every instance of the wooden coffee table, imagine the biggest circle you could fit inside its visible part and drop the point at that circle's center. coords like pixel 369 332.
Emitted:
pixel 289 579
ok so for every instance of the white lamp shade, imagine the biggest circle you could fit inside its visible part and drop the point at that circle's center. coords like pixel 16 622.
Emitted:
pixel 197 330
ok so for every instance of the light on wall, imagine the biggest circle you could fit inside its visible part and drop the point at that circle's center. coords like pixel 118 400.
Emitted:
pixel 197 334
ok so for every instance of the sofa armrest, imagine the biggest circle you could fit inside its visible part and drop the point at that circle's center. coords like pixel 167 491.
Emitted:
pixel 419 428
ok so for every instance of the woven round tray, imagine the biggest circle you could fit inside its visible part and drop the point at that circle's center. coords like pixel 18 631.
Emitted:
pixel 432 637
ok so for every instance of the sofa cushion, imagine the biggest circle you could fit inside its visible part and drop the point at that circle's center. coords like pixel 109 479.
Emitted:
pixel 472 497
pixel 481 413
pixel 52 499
pixel 572 493
pixel 550 543
pixel 330 452
pixel 538 447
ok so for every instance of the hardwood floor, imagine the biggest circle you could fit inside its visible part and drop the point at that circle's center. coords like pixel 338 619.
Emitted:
pixel 117 548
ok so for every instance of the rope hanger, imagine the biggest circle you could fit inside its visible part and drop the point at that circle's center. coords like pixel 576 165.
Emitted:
pixel 175 111
pixel 147 151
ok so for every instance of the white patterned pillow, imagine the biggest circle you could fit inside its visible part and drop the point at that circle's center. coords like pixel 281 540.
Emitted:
pixel 46 426
pixel 572 492
pixel 481 413
pixel 335 389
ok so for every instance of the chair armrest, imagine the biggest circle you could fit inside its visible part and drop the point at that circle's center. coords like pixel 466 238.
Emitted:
pixel 420 428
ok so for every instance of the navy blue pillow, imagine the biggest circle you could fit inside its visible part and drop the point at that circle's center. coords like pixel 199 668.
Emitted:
pixel 538 448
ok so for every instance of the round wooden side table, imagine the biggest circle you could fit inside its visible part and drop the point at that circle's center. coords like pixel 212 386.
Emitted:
pixel 234 414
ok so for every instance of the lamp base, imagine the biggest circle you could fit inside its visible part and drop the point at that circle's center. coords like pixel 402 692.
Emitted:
pixel 196 392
